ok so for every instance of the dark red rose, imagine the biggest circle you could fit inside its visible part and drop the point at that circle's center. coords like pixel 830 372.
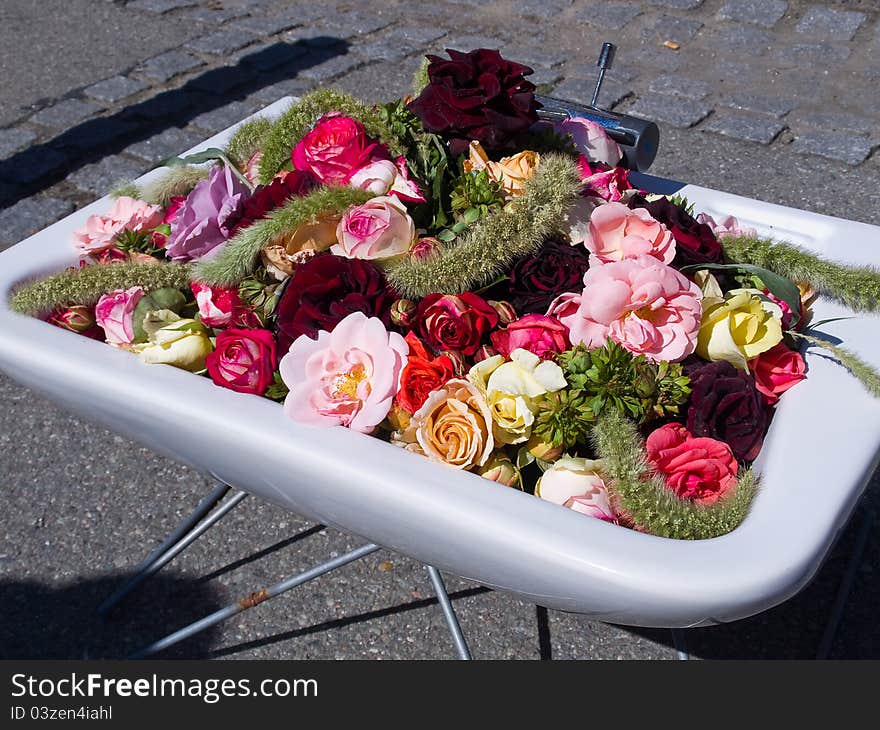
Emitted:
pixel 476 96
pixel 243 360
pixel 458 323
pixel 421 374
pixel 324 290
pixel 726 405
pixel 537 280
pixel 695 242
pixel 266 198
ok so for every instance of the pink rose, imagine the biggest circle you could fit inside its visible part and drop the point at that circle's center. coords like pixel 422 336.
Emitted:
pixel 379 229
pixel 544 336
pixel 590 140
pixel 602 181
pixel 113 313
pixel 576 483
pixel 726 226
pixel 217 305
pixel 100 231
pixel 347 377
pixel 643 304
pixel 700 469
pixel 335 149
pixel 243 360
pixel 617 232
pixel 383 177
pixel 776 371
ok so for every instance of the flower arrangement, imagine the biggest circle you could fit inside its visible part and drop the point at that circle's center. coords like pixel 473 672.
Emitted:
pixel 453 275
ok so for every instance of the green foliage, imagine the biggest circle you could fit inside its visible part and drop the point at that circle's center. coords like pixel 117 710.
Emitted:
pixel 260 292
pixel 176 181
pixel 88 284
pixel 858 287
pixel 247 140
pixel 564 419
pixel 298 120
pixel 476 190
pixel 864 372
pixel 238 258
pixel 130 241
pixel 490 247
pixel 277 391
pixel 682 202
pixel 646 500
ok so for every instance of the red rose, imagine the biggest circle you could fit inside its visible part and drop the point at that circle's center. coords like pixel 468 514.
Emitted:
pixel 450 322
pixel 421 375
pixel 539 334
pixel 700 469
pixel 776 371
pixel 243 360
pixel 286 185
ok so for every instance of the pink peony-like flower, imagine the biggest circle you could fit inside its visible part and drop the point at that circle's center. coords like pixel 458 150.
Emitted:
pixel 384 177
pixel 379 229
pixel 100 231
pixel 539 334
pixel 618 232
pixel 700 469
pixel 643 304
pixel 347 377
pixel 727 225
pixel 335 149
pixel 243 360
pixel 218 306
pixel 590 140
pixel 113 313
pixel 777 370
pixel 207 217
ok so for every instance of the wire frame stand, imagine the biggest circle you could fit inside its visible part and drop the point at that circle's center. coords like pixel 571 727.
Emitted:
pixel 203 519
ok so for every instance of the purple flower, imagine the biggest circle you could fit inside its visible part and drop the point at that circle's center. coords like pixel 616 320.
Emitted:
pixel 207 217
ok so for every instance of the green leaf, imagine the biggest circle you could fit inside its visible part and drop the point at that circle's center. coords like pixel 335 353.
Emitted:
pixel 212 154
pixel 781 287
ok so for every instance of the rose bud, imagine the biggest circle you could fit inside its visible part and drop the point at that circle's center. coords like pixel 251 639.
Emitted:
pixel 484 353
pixel 501 469
pixel 424 247
pixel 78 318
pixel 506 312
pixel 542 450
pixel 459 365
pixel 402 312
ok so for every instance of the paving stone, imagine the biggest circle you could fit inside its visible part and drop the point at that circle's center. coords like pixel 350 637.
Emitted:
pixel 66 113
pixel 383 50
pixel 772 105
pixel 166 66
pixel 580 91
pixel 466 42
pixel 214 18
pixel 219 119
pixel 115 89
pixel 671 28
pixel 535 56
pixel 289 87
pixel 173 104
pixel 13 139
pixel 102 177
pixel 546 76
pixel 415 36
pixel 749 127
pixel 738 38
pixel 765 13
pixel 314 38
pixel 676 4
pixel 612 16
pixel 99 133
pixel 823 53
pixel 220 81
pixel 7 194
pixel 221 43
pixel 837 121
pixel 679 86
pixel 544 9
pixel 30 215
pixel 160 147
pixel 32 164
pixel 274 54
pixel 839 25
pixel 851 149
pixel 356 22
pixel 334 66
pixel 671 110
pixel 158 7
pixel 262 26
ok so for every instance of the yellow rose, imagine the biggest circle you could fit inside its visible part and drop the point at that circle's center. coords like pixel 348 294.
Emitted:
pixel 184 344
pixel 510 172
pixel 453 426
pixel 512 390
pixel 738 327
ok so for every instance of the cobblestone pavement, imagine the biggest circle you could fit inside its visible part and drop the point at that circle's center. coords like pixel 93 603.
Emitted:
pixel 774 99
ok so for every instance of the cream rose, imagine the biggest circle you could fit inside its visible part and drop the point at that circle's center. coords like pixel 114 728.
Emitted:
pixel 577 484
pixel 184 344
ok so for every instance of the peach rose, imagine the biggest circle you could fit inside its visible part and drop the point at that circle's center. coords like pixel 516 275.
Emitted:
pixel 510 172
pixel 617 232
pixel 454 425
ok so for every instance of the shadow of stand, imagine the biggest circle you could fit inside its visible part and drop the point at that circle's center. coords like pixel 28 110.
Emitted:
pixel 43 165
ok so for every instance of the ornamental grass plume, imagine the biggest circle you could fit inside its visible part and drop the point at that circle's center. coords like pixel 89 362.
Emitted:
pixel 177 181
pixel 247 140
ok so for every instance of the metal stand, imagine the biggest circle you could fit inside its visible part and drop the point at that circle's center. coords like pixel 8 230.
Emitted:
pixel 197 524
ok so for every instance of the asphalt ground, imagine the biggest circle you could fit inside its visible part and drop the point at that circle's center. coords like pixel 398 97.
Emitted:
pixel 83 506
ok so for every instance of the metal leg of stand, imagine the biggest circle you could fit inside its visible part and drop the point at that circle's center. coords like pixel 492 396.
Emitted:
pixel 449 613
pixel 846 585
pixel 680 645
pixel 170 550
pixel 254 599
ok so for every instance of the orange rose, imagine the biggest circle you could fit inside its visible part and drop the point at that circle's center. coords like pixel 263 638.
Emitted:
pixel 510 172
